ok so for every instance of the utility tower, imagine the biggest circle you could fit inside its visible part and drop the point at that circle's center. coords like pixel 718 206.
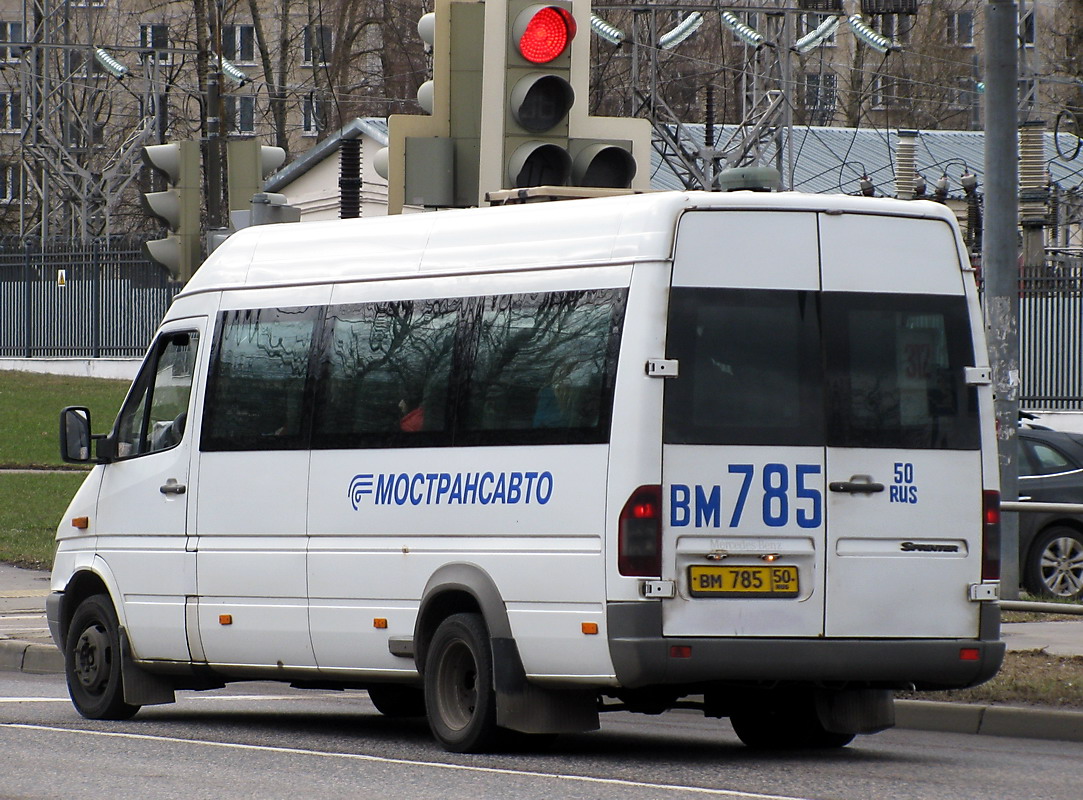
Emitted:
pixel 74 175
pixel 762 136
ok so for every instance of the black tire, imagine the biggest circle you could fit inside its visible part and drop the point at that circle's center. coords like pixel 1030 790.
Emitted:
pixel 459 698
pixel 92 661
pixel 1055 565
pixel 790 725
pixel 395 700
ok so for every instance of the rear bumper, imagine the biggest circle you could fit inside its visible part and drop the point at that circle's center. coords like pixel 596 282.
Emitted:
pixel 641 657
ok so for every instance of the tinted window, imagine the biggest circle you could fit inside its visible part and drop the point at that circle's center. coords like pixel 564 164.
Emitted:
pixel 800 368
pixel 155 414
pixel 895 375
pixel 539 367
pixel 750 368
pixel 1044 459
pixel 386 374
pixel 258 386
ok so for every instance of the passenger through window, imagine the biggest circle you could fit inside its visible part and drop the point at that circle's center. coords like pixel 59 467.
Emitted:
pixel 386 372
pixel 540 362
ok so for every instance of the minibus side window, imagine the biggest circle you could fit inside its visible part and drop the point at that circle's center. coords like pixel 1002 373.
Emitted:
pixel 155 414
pixel 258 388
pixel 385 377
pixel 540 368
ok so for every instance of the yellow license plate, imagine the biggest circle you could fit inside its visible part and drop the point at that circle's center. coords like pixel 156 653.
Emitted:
pixel 743 581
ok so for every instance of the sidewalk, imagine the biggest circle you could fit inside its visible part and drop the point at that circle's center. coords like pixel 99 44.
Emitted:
pixel 25 646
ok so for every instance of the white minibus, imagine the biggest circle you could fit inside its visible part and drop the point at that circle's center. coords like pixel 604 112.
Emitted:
pixel 510 467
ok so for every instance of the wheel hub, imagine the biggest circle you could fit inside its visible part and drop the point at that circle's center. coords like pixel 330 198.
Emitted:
pixel 1062 566
pixel 91 665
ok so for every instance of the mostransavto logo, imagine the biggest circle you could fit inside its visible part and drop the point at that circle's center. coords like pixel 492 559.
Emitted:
pixel 450 488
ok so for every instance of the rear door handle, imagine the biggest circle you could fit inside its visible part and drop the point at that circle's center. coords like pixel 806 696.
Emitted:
pixel 172 487
pixel 858 484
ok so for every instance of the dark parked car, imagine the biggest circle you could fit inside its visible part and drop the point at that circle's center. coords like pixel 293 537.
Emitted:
pixel 1051 544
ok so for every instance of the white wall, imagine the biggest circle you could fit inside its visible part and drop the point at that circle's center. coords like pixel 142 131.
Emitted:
pixel 110 368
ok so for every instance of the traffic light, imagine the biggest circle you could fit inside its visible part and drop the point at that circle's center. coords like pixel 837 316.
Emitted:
pixel 548 138
pixel 538 93
pixel 432 160
pixel 178 207
pixel 247 164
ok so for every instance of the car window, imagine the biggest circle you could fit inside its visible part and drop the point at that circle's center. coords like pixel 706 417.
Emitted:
pixel 1047 460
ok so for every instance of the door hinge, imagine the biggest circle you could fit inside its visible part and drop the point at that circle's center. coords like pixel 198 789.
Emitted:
pixel 658 588
pixel 984 592
pixel 662 367
pixel 978 376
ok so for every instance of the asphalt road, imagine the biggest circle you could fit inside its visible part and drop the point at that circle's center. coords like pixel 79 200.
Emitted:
pixel 267 741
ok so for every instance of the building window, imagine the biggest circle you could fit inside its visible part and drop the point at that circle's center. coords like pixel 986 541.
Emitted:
pixel 317 44
pixel 1026 28
pixel 820 97
pixel 10 32
pixel 883 91
pixel 315 116
pixel 9 182
pixel 239 43
pixel 894 26
pixel 961 28
pixel 155 37
pixel 241 114
pixel 11 111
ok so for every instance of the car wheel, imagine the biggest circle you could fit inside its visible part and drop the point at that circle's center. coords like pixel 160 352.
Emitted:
pixel 1055 566
pixel 459 698
pixel 393 700
pixel 92 661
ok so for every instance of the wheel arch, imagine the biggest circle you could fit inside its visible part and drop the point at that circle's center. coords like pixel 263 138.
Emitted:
pixel 457 588
pixel 84 583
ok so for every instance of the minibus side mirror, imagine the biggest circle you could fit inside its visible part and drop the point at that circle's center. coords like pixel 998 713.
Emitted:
pixel 76 438
pixel 75 434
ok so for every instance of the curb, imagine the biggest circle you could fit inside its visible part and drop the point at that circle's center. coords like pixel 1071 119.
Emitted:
pixel 30 657
pixel 922 715
pixel 985 720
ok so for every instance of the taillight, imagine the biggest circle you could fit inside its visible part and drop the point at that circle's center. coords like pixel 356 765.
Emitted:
pixel 639 533
pixel 990 540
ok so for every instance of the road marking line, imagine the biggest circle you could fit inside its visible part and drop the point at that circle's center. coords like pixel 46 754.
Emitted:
pixel 14 594
pixel 34 700
pixel 519 773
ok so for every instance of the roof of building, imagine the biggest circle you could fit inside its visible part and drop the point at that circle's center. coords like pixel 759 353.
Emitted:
pixel 825 159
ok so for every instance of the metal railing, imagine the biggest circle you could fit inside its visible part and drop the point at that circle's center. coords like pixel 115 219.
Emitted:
pixel 103 299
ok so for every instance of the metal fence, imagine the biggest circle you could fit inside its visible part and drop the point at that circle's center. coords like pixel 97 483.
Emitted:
pixel 1051 334
pixel 102 299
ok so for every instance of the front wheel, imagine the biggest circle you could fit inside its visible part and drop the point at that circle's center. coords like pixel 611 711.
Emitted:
pixel 459 698
pixel 92 661
pixel 1055 566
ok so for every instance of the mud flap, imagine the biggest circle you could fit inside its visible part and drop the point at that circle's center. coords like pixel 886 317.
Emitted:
pixel 855 710
pixel 141 688
pixel 527 708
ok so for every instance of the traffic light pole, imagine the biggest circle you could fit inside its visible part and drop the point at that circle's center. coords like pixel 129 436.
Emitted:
pixel 1000 262
pixel 214 148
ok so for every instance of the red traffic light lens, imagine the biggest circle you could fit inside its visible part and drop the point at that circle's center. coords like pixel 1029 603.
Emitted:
pixel 545 33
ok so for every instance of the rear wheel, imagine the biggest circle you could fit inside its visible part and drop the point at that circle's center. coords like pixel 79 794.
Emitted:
pixel 790 724
pixel 92 661
pixel 459 698
pixel 393 700
pixel 1055 566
